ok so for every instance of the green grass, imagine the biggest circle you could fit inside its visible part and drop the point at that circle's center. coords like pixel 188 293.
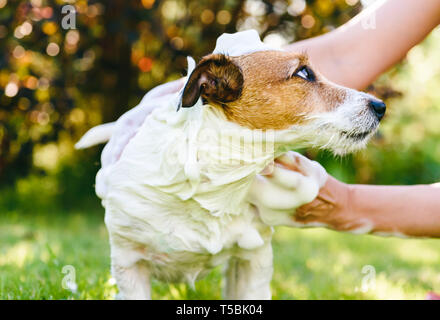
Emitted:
pixel 309 264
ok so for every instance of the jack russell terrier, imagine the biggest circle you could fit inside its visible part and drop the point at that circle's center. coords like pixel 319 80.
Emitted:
pixel 181 189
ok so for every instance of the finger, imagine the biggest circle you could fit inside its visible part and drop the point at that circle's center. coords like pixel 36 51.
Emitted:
pixel 298 162
pixel 289 160
pixel 285 178
pixel 313 170
pixel 271 195
pixel 320 174
pixel 268 170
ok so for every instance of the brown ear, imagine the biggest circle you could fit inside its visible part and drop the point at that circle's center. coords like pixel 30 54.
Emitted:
pixel 216 78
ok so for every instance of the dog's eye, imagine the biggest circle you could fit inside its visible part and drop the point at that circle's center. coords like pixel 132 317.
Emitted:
pixel 306 73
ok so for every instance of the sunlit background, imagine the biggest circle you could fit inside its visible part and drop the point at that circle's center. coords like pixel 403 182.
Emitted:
pixel 57 83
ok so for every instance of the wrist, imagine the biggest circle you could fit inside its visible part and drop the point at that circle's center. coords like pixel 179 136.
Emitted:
pixel 331 207
pixel 339 195
pixel 340 199
pixel 343 215
pixel 349 214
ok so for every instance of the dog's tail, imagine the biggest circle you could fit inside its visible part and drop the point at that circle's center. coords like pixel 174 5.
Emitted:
pixel 96 135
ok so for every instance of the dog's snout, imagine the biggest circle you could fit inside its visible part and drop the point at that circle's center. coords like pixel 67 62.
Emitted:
pixel 378 108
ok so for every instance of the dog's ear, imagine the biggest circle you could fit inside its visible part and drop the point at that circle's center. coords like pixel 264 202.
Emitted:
pixel 216 78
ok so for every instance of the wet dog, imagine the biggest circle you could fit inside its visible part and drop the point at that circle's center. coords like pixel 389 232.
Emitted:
pixel 177 194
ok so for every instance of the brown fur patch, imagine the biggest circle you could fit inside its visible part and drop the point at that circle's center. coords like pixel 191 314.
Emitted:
pixel 273 97
pixel 216 78
pixel 260 90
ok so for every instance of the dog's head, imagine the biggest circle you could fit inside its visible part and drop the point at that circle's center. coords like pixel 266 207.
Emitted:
pixel 281 90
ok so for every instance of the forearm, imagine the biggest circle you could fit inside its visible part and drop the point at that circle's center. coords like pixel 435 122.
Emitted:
pixel 382 210
pixel 356 53
pixel 397 210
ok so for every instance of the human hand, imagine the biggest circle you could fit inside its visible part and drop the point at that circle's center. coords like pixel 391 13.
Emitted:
pixel 293 182
pixel 128 124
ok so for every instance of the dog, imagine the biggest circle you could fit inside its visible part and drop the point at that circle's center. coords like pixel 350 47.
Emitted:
pixel 179 189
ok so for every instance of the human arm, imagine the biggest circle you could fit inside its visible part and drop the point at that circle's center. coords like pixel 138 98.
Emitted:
pixel 406 211
pixel 164 89
pixel 128 124
pixel 412 211
pixel 356 53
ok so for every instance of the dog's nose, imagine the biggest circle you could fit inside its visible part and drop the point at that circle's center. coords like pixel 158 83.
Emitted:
pixel 378 108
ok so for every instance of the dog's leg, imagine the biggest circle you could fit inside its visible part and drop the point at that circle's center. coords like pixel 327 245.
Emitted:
pixel 248 276
pixel 133 282
pixel 129 270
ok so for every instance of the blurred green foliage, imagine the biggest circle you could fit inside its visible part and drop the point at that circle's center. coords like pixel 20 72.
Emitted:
pixel 57 83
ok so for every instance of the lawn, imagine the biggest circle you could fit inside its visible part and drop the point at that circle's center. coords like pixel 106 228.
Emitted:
pixel 309 264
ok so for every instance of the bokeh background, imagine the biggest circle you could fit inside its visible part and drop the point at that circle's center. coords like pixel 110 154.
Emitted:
pixel 55 84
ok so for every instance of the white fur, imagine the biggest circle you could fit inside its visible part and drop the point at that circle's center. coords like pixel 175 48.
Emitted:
pixel 96 135
pixel 325 130
pixel 178 200
pixel 179 187
pixel 178 210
